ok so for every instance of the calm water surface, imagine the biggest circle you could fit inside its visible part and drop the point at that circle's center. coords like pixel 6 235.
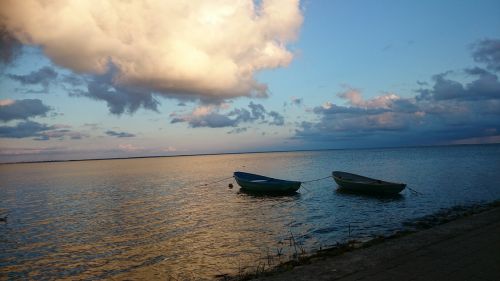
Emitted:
pixel 151 219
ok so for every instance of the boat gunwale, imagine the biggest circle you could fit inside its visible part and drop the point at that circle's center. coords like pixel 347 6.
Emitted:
pixel 257 177
pixel 363 180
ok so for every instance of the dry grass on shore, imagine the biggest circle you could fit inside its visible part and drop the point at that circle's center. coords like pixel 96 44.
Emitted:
pixel 300 257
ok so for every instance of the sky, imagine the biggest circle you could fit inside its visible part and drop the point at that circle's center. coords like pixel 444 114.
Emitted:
pixel 109 78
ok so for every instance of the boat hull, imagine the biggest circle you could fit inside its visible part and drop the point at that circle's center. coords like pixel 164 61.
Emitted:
pixel 360 184
pixel 261 184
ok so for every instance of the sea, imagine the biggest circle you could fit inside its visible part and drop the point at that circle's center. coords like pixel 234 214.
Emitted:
pixel 159 218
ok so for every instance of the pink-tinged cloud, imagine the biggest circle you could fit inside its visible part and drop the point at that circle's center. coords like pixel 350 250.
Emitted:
pixel 129 147
pixel 447 112
pixel 169 149
pixel 196 48
pixel 7 102
pixel 25 150
pixel 354 98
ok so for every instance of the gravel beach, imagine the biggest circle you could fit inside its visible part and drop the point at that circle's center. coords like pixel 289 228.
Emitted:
pixel 467 248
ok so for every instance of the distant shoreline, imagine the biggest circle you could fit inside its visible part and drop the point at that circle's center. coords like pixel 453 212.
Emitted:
pixel 245 152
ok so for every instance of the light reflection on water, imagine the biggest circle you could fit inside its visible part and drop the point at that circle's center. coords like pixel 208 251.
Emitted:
pixel 151 219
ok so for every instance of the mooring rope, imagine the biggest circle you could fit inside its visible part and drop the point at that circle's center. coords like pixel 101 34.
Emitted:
pixel 302 183
pixel 216 181
pixel 304 186
pixel 205 184
pixel 316 179
pixel 413 190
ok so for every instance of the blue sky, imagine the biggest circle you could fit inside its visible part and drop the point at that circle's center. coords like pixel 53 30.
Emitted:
pixel 103 80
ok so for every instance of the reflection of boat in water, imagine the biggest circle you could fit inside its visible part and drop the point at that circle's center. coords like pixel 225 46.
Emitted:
pixel 261 184
pixel 356 183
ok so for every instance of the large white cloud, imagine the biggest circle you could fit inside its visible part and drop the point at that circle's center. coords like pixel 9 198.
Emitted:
pixel 203 48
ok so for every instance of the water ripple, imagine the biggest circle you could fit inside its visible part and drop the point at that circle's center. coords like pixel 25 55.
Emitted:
pixel 150 219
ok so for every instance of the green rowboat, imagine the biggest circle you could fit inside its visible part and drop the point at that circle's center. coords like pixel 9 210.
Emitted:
pixel 261 184
pixel 356 183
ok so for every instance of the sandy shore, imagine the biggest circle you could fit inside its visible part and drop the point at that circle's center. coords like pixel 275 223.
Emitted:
pixel 467 248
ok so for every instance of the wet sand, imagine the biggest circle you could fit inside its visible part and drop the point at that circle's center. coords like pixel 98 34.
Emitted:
pixel 467 248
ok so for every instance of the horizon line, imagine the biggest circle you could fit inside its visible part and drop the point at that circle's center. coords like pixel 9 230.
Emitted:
pixel 234 153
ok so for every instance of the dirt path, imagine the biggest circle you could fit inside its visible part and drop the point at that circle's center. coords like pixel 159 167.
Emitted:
pixel 464 249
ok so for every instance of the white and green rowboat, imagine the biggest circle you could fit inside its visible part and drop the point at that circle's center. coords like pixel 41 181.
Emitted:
pixel 261 184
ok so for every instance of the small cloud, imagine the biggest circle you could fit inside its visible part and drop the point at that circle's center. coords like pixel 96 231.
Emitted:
pixel 22 109
pixel 44 77
pixel 296 101
pixel 37 131
pixel 169 149
pixel 55 114
pixel 387 47
pixel 7 102
pixel 73 80
pixel 487 51
pixel 28 150
pixel 23 130
pixel 129 147
pixel 60 134
pixel 61 126
pixel 237 130
pixel 277 119
pixel 211 116
pixel 355 99
pixel 119 134
pixel 91 126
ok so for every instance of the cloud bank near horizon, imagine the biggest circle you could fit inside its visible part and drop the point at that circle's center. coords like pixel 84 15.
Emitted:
pixel 447 111
pixel 196 49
